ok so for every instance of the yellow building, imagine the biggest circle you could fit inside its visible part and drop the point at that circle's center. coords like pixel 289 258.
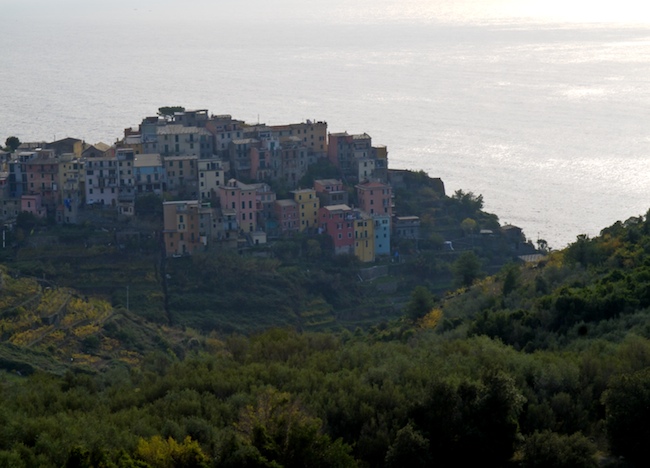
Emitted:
pixel 364 237
pixel 70 173
pixel 308 205
pixel 311 134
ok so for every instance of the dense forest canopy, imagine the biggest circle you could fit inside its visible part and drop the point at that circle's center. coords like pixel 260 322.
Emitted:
pixel 541 364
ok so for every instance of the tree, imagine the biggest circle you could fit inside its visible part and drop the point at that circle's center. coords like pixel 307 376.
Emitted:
pixel 12 143
pixel 410 448
pixel 471 423
pixel 161 453
pixel 282 432
pixel 542 246
pixel 469 226
pixel 313 249
pixel 466 269
pixel 421 303
pixel 168 111
pixel 467 202
pixel 627 405
pixel 549 449
pixel 511 279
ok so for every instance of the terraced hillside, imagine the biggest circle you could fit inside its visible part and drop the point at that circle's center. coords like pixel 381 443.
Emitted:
pixel 55 328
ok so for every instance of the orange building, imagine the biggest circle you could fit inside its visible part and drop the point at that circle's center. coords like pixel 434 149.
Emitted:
pixel 375 198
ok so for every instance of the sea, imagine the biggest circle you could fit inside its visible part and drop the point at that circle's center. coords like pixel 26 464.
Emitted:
pixel 541 107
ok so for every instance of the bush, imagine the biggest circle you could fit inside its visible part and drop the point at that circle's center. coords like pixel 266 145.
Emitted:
pixel 551 450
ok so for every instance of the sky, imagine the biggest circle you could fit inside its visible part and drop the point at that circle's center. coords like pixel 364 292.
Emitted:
pixel 356 11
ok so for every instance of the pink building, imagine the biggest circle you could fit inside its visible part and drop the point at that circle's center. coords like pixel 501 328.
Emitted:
pixel 286 213
pixel 338 222
pixel 33 204
pixel 240 198
pixel 42 172
pixel 375 198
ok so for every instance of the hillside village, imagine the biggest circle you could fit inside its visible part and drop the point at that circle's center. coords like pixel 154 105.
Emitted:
pixel 221 180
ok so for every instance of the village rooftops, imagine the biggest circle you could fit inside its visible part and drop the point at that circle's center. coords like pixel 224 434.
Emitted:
pixel 180 129
pixel 192 111
pixel 133 139
pixel 372 185
pixel 147 160
pixel 337 208
pixel 184 157
pixel 329 181
pixel 286 202
pixel 245 141
pixel 234 183
pixel 294 125
pixel 44 156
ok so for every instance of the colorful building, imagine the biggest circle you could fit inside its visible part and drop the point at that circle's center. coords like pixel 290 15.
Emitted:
pixel 265 197
pixel 382 234
pixel 179 140
pixel 150 175
pixel 211 175
pixel 240 198
pixel 406 227
pixel 224 129
pixel 331 192
pixel 71 176
pixel 311 134
pixel 33 204
pixel 337 221
pixel 42 171
pixel 375 198
pixel 186 227
pixel 364 237
pixel 308 205
pixel 286 214
pixel 102 181
pixel 344 151
pixel 182 175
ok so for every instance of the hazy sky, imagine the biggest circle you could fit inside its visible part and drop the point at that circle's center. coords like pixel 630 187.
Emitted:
pixel 357 11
